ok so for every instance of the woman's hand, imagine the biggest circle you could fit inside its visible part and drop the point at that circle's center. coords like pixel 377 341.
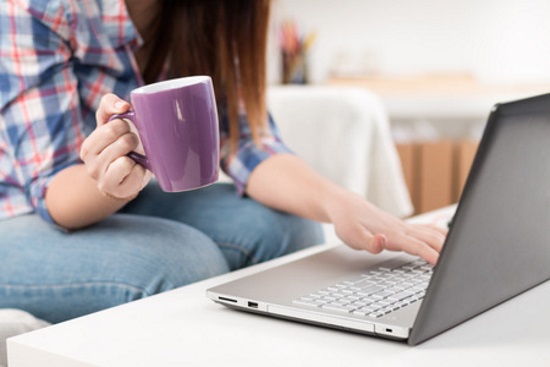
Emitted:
pixel 285 182
pixel 105 151
pixel 363 226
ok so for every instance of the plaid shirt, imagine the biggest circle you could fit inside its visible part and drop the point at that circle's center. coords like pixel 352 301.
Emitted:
pixel 57 59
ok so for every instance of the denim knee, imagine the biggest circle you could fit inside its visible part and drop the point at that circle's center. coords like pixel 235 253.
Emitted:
pixel 160 255
pixel 280 234
pixel 58 276
pixel 268 235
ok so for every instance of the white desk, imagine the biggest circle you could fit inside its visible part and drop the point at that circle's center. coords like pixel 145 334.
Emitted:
pixel 184 328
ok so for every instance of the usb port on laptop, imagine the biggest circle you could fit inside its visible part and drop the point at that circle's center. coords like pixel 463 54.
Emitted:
pixel 252 304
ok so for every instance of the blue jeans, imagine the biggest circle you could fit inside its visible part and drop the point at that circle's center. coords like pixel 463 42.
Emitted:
pixel 157 242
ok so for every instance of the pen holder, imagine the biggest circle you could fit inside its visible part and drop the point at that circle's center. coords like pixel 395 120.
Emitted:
pixel 294 67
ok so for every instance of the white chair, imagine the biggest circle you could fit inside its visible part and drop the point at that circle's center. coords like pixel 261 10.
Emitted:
pixel 343 133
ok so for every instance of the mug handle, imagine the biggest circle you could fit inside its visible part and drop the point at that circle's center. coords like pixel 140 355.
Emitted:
pixel 138 158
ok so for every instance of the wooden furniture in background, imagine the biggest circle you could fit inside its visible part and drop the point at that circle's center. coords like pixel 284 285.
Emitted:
pixel 436 171
pixel 456 106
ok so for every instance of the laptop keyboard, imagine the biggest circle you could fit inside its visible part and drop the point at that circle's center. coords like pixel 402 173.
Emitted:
pixel 376 293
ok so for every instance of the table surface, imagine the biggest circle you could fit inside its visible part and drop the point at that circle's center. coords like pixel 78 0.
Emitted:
pixel 183 327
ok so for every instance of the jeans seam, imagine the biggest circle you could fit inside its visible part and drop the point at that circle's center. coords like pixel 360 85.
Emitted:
pixel 60 286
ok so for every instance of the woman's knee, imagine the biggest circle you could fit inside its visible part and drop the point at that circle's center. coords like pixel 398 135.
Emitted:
pixel 268 234
pixel 282 233
pixel 58 276
pixel 158 255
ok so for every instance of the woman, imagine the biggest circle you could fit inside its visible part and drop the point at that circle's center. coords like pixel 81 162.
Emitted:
pixel 107 233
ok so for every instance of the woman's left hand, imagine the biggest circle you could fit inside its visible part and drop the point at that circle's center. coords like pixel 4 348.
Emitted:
pixel 363 226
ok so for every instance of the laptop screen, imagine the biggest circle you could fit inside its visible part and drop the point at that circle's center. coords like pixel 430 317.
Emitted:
pixel 499 242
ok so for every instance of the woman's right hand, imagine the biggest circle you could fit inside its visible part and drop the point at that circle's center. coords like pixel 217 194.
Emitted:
pixel 105 151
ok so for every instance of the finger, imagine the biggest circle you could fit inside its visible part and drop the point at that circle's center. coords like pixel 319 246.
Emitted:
pixel 136 180
pixel 110 105
pixel 372 243
pixel 119 148
pixel 429 235
pixel 442 230
pixel 128 178
pixel 146 178
pixel 115 175
pixel 419 248
pixel 101 139
pixel 379 241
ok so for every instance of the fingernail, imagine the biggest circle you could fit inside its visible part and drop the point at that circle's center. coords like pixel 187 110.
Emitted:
pixel 382 240
pixel 119 105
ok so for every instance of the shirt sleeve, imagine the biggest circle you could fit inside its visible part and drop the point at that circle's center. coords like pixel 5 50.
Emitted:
pixel 41 123
pixel 239 165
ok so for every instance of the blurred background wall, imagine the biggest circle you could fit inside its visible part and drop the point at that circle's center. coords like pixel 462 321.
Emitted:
pixel 437 67
pixel 492 40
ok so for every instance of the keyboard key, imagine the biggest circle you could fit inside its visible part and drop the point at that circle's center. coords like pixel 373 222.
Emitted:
pixel 339 308
pixel 417 263
pixel 384 302
pixel 341 295
pixel 411 299
pixel 376 314
pixel 364 311
pixel 369 290
pixel 396 289
pixel 400 296
pixel 352 298
pixel 381 294
pixel 418 271
pixel 402 303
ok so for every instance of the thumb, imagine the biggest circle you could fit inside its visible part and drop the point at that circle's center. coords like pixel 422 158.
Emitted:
pixel 110 105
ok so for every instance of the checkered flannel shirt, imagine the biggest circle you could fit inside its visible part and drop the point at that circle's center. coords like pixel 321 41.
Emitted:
pixel 57 59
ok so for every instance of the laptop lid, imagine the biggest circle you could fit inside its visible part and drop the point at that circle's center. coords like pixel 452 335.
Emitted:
pixel 499 243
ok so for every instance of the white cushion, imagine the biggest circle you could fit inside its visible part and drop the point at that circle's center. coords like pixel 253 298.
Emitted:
pixel 14 322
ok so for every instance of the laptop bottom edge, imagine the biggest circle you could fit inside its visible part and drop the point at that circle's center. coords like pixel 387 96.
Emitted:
pixel 380 330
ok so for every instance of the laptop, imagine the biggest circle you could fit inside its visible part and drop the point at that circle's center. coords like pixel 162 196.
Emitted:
pixel 498 246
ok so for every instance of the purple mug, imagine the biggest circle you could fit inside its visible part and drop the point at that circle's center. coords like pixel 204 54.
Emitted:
pixel 177 122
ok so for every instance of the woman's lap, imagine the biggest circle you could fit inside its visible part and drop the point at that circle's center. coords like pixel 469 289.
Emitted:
pixel 57 276
pixel 142 251
pixel 246 231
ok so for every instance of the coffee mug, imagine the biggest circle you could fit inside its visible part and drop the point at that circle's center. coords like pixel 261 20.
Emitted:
pixel 177 122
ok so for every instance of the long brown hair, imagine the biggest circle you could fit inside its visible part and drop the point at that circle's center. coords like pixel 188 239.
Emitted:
pixel 225 39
